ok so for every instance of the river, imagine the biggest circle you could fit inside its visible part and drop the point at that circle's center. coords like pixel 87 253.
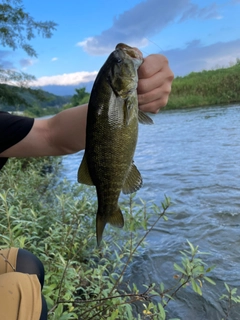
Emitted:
pixel 192 156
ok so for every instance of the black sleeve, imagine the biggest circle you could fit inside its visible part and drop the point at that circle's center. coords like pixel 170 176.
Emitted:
pixel 12 130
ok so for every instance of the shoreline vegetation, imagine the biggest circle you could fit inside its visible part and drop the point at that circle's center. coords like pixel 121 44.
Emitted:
pixel 206 88
pixel 197 89
pixel 55 220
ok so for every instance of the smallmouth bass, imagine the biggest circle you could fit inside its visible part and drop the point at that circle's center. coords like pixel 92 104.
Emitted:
pixel 111 135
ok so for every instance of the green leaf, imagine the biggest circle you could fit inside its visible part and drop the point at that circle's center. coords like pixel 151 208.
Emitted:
pixel 178 268
pixel 195 287
pixel 227 287
pixel 161 287
pixel 209 280
pixel 162 312
pixel 210 268
pixel 193 250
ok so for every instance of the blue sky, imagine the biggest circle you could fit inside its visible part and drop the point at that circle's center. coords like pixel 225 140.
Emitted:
pixel 193 34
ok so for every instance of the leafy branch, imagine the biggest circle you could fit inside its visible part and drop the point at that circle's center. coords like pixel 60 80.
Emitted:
pixel 231 298
pixel 17 27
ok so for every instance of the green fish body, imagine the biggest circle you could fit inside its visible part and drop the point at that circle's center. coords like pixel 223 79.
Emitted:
pixel 111 135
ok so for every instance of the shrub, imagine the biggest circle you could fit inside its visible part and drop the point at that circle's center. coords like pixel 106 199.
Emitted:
pixel 56 221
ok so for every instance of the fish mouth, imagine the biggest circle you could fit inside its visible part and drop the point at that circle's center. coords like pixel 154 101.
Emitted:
pixel 133 52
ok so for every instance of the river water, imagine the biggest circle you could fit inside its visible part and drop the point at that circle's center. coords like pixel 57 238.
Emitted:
pixel 192 156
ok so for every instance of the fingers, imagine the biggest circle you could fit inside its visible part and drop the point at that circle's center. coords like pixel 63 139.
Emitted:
pixel 152 101
pixel 154 86
pixel 151 65
pixel 146 85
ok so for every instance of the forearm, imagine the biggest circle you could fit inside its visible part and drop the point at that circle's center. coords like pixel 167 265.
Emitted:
pixel 67 130
pixel 62 134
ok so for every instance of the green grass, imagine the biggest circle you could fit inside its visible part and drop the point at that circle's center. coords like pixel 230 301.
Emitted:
pixel 221 86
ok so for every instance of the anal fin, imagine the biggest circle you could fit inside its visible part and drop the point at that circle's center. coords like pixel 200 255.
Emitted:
pixel 83 172
pixel 133 182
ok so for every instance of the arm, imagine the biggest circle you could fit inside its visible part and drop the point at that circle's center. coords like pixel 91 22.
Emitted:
pixel 62 134
pixel 65 132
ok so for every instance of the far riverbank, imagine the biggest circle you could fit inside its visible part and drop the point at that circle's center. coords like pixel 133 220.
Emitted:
pixel 212 87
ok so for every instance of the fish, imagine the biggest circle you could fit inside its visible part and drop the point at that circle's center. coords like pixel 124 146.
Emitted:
pixel 111 135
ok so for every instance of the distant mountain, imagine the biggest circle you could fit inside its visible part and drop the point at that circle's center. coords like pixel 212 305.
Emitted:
pixel 30 101
pixel 67 90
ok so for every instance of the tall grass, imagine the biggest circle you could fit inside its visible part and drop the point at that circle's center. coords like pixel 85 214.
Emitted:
pixel 221 86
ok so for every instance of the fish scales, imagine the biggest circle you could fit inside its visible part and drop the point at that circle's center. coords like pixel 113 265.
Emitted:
pixel 111 135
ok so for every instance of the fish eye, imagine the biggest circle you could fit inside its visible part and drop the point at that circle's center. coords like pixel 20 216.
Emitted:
pixel 118 60
pixel 117 57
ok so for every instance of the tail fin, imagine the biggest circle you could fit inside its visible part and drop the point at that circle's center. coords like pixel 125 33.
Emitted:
pixel 115 219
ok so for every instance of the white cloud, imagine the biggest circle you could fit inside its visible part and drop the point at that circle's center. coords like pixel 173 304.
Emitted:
pixel 93 46
pixel 65 79
pixel 194 57
pixel 197 57
pixel 143 21
pixel 192 11
pixel 54 59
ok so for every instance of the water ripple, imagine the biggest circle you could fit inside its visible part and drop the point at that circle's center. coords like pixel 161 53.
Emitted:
pixel 193 156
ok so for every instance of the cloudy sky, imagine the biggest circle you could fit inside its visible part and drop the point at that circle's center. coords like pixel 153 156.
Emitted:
pixel 193 34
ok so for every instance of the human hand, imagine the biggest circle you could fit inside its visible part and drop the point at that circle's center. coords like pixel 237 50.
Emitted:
pixel 154 84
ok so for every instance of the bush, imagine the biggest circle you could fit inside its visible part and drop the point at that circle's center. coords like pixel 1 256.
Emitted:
pixel 56 221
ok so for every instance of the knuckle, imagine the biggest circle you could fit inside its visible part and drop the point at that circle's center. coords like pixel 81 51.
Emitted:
pixel 142 86
pixel 171 76
pixel 166 89
pixel 140 99
pixel 164 101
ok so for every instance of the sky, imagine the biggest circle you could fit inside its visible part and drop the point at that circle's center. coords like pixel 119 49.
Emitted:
pixel 193 34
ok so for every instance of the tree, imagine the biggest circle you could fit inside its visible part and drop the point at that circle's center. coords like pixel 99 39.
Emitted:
pixel 17 28
pixel 80 97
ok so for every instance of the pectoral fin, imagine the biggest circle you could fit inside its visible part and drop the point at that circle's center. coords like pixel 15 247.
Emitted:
pixel 83 173
pixel 127 111
pixel 144 118
pixel 133 182
pixel 129 104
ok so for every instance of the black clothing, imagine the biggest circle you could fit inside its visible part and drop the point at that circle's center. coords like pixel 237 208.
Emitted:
pixel 29 263
pixel 12 130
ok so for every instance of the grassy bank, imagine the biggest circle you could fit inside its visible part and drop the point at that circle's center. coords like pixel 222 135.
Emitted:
pixel 56 221
pixel 221 86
